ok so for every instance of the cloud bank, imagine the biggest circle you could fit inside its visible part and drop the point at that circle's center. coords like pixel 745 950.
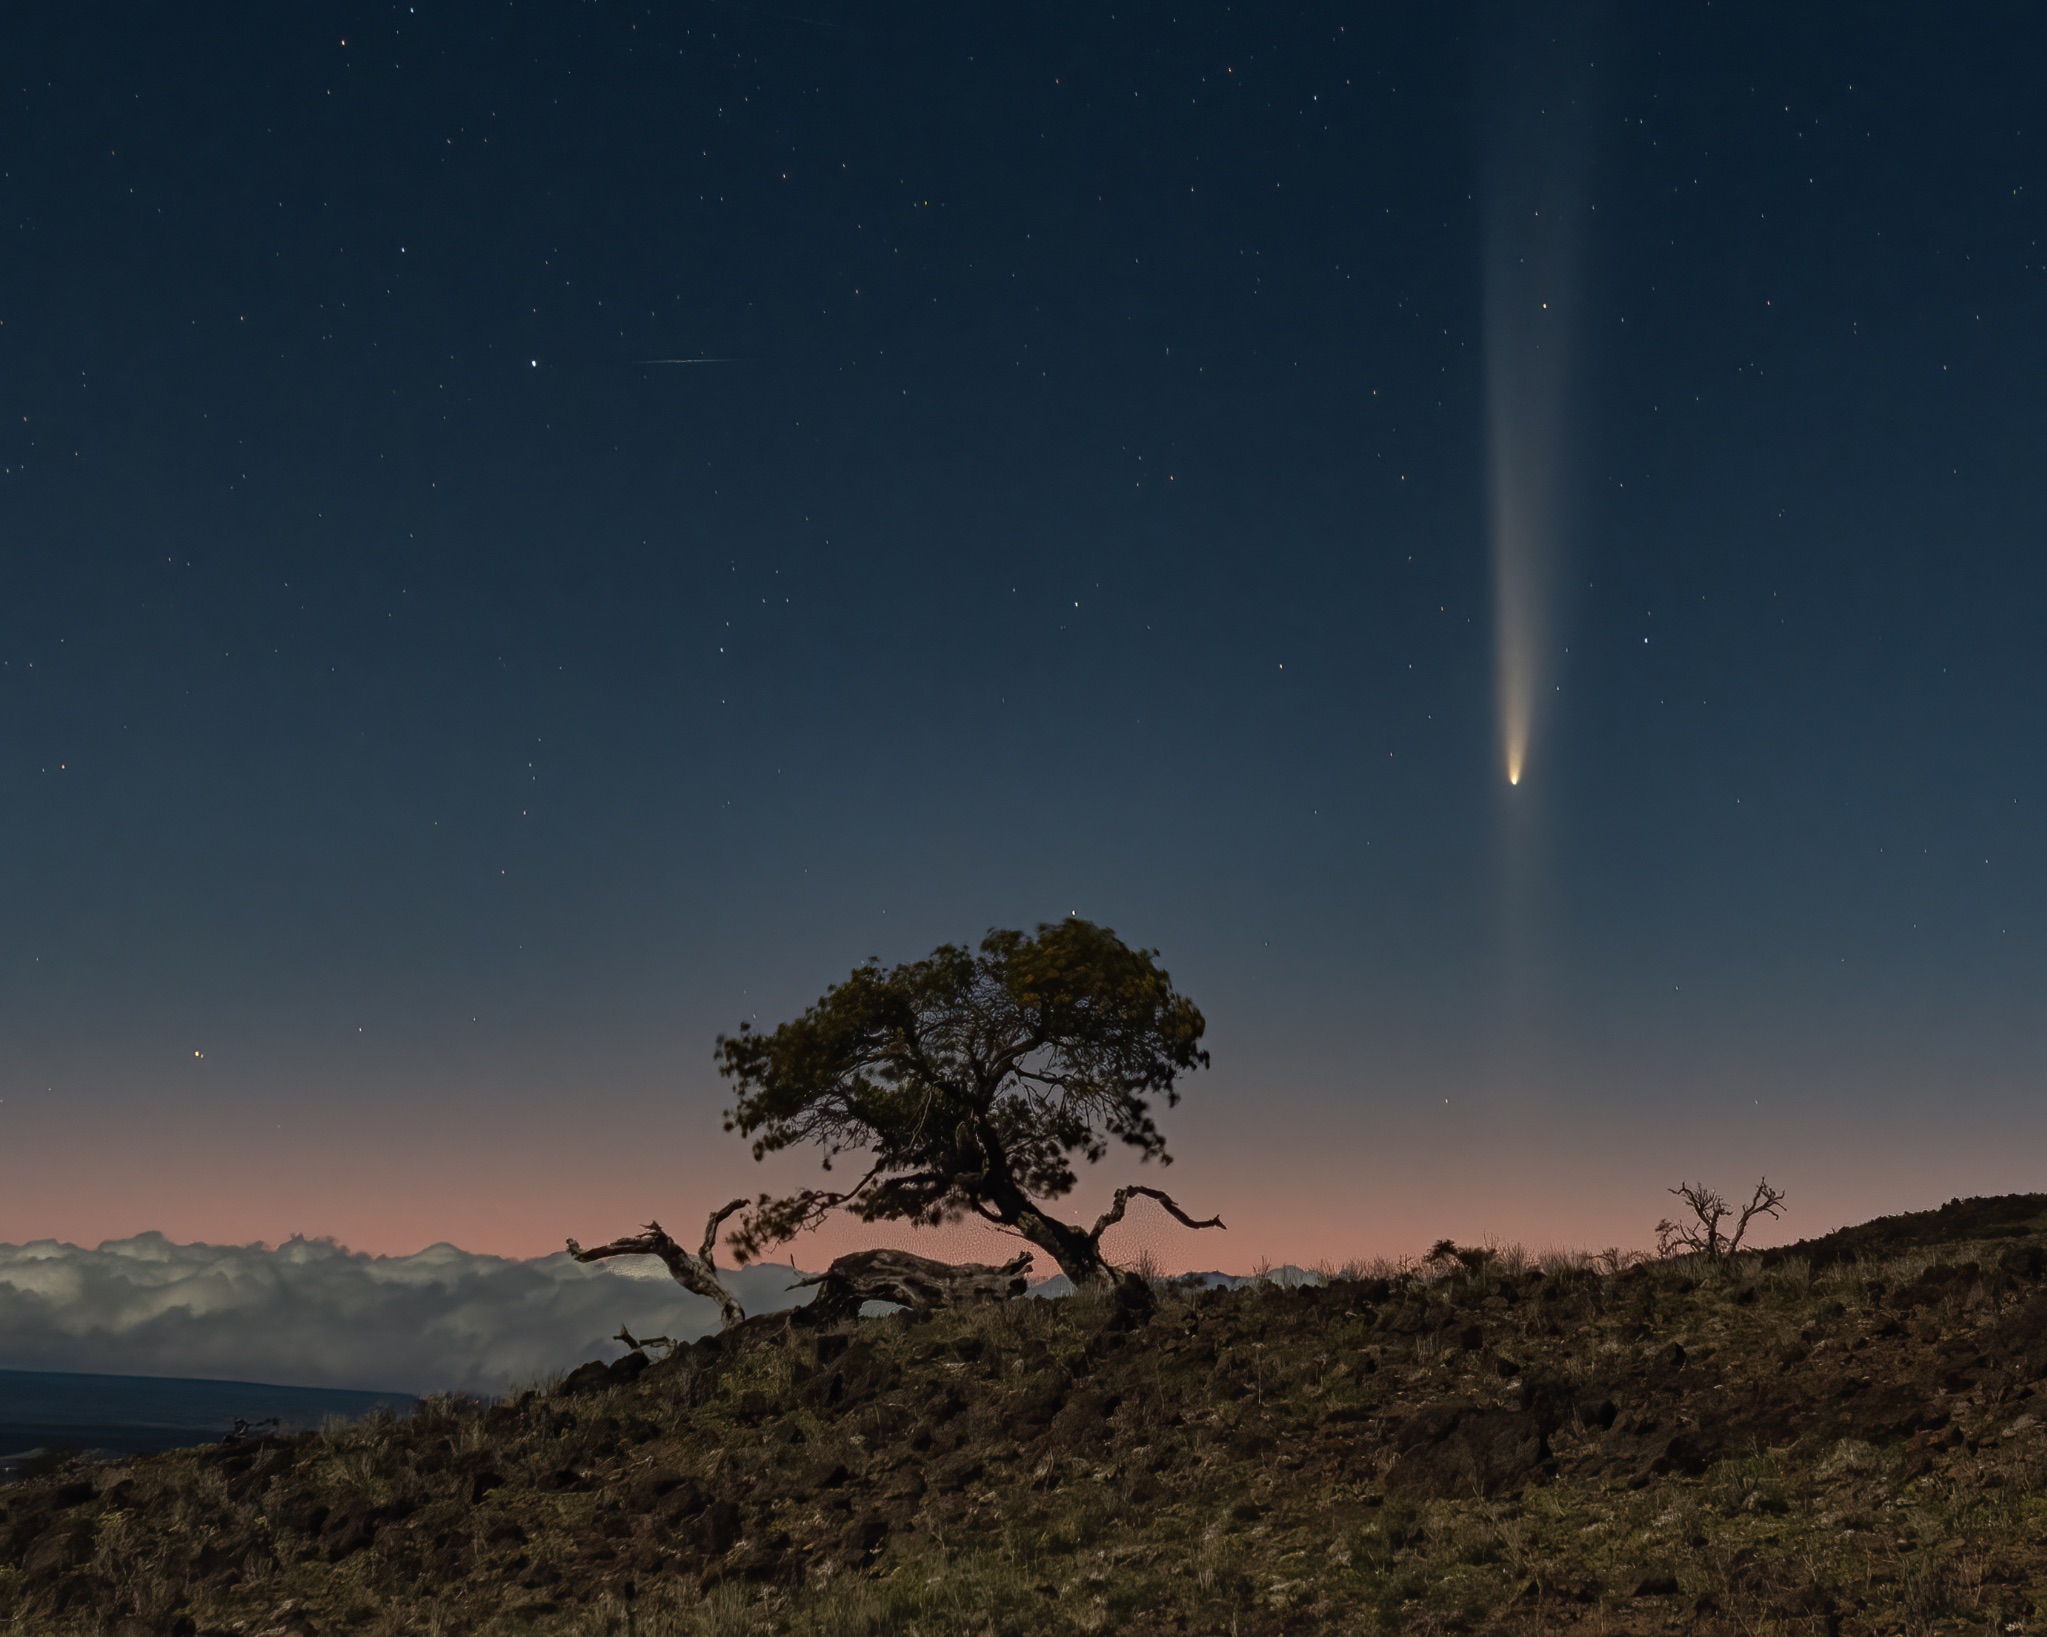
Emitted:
pixel 313 1313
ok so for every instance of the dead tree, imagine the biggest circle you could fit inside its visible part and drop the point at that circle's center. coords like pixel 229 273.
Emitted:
pixel 1701 1236
pixel 697 1272
pixel 910 1281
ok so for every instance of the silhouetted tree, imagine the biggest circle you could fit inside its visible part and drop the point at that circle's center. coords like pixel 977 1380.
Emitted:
pixel 1702 1235
pixel 970 1080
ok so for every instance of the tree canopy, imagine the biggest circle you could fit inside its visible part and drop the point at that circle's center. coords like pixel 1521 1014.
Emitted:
pixel 971 1081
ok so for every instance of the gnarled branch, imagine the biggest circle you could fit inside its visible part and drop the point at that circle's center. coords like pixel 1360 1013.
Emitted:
pixel 711 1226
pixel 1114 1214
pixel 910 1281
pixel 697 1272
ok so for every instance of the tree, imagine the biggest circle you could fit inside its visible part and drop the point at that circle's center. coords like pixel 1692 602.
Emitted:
pixel 1709 1210
pixel 971 1081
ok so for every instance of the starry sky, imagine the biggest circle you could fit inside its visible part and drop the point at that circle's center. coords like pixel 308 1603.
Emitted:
pixel 425 723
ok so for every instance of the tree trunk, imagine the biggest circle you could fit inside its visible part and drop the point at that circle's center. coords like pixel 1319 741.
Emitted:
pixel 698 1272
pixel 910 1281
pixel 1078 1251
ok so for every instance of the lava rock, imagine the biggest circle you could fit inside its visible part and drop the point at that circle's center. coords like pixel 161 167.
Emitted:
pixel 1453 1451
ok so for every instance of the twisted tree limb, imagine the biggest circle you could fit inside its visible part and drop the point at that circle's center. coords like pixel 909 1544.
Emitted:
pixel 1114 1214
pixel 910 1281
pixel 696 1271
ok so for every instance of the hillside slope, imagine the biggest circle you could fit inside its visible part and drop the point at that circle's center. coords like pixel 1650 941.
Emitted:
pixel 1498 1447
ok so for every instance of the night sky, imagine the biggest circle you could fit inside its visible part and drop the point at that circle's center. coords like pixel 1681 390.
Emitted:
pixel 1123 465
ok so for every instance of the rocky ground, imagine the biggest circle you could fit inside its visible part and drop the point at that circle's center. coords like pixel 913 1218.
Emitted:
pixel 1849 1436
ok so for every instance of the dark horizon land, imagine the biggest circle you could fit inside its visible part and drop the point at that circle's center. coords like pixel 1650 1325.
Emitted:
pixel 528 539
pixel 52 1411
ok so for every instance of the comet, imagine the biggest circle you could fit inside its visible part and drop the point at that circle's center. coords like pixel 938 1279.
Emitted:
pixel 1535 201
pixel 1522 463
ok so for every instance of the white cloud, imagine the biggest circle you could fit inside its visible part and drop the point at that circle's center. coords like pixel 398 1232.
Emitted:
pixel 313 1313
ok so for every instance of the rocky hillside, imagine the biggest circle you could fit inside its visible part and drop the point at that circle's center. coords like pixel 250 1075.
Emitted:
pixel 1850 1437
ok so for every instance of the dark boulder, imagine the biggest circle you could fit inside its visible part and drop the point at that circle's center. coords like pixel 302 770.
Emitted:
pixel 62 1546
pixel 585 1378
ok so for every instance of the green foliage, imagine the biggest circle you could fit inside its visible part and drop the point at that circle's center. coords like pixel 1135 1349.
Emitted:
pixel 970 1079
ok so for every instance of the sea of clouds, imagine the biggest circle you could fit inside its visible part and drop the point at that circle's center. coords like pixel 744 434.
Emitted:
pixel 313 1313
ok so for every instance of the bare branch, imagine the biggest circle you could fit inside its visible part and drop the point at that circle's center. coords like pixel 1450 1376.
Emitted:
pixel 697 1273
pixel 640 1344
pixel 708 1253
pixel 1768 1201
pixel 1114 1214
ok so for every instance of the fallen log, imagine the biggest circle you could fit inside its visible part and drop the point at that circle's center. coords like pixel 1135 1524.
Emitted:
pixel 907 1280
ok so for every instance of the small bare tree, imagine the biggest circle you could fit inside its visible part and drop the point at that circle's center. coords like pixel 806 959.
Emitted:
pixel 693 1271
pixel 1701 1236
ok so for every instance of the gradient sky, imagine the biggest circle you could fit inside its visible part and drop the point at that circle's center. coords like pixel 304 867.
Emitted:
pixel 424 725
